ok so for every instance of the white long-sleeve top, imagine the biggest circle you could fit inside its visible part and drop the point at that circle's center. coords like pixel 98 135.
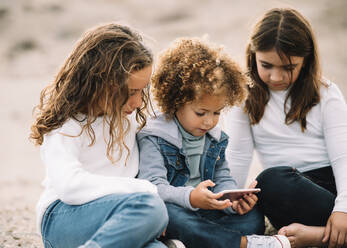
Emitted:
pixel 323 143
pixel 77 173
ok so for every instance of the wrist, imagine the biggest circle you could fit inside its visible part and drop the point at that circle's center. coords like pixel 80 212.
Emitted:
pixel 192 198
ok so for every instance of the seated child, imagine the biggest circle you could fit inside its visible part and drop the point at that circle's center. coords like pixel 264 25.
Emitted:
pixel 182 151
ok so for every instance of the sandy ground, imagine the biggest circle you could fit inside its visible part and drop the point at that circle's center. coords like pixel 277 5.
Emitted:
pixel 37 35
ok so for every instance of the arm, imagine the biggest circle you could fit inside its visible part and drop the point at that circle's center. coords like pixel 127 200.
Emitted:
pixel 335 134
pixel 224 181
pixel 71 182
pixel 152 168
pixel 222 177
pixel 239 152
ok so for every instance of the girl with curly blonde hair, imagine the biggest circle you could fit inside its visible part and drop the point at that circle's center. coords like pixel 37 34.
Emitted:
pixel 85 124
pixel 182 151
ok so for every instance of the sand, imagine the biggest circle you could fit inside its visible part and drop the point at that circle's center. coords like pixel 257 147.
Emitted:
pixel 37 35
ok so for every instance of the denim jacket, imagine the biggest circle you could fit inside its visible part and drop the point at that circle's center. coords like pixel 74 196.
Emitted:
pixel 164 163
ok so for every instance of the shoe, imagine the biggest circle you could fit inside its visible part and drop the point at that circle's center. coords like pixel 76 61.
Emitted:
pixel 260 241
pixel 173 243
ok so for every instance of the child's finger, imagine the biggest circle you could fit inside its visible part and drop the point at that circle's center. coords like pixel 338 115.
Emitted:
pixel 245 209
pixel 216 195
pixel 235 205
pixel 240 209
pixel 207 183
pixel 327 231
pixel 250 200
pixel 253 184
pixel 254 197
pixel 244 205
pixel 221 204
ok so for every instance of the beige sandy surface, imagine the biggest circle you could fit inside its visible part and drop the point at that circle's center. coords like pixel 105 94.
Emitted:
pixel 37 35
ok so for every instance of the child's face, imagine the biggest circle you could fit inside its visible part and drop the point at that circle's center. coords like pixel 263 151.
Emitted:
pixel 136 83
pixel 201 115
pixel 278 74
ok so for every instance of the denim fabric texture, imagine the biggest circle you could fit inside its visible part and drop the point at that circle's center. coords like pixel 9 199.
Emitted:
pixel 163 162
pixel 212 228
pixel 116 220
pixel 177 170
pixel 288 196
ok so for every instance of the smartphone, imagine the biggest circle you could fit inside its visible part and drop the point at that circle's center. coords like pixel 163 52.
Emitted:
pixel 236 194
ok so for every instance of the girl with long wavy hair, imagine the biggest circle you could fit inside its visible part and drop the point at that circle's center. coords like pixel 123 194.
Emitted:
pixel 86 124
pixel 297 122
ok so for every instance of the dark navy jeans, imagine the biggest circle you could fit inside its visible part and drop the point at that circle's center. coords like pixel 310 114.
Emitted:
pixel 288 196
pixel 211 228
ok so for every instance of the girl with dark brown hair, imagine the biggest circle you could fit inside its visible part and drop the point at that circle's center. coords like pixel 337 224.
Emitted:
pixel 297 122
pixel 86 124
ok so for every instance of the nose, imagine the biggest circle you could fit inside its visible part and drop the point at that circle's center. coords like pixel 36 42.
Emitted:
pixel 208 121
pixel 135 101
pixel 276 75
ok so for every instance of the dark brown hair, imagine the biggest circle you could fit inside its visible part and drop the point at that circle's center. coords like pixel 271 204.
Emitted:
pixel 93 81
pixel 190 68
pixel 290 34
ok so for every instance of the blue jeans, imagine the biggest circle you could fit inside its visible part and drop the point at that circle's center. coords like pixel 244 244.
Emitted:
pixel 288 196
pixel 117 220
pixel 211 228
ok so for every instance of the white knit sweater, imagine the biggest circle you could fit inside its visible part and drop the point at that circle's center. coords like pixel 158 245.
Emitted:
pixel 77 173
pixel 323 143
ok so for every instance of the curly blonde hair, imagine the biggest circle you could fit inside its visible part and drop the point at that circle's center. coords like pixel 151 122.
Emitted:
pixel 190 68
pixel 96 71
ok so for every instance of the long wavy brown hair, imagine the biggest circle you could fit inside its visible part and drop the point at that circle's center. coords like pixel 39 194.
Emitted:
pixel 190 68
pixel 93 81
pixel 290 34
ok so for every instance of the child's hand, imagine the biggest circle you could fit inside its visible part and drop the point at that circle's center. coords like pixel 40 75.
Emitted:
pixel 336 230
pixel 247 202
pixel 202 197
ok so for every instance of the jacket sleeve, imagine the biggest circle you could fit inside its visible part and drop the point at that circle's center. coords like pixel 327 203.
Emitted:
pixel 222 177
pixel 239 152
pixel 152 168
pixel 71 182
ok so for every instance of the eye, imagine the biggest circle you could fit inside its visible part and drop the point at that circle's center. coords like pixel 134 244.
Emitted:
pixel 267 66
pixel 132 92
pixel 216 113
pixel 199 114
pixel 289 68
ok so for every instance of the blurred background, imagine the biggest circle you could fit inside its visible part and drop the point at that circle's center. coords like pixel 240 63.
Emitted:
pixel 37 36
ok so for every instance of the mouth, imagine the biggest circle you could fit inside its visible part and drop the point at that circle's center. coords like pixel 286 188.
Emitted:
pixel 203 130
pixel 128 112
pixel 279 84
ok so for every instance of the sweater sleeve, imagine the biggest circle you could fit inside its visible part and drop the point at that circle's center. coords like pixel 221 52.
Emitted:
pixel 239 152
pixel 335 134
pixel 71 182
pixel 152 168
